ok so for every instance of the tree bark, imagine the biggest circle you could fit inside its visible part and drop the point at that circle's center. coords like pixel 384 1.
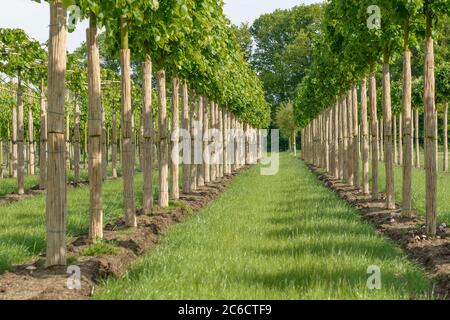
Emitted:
pixel 148 136
pixel 175 190
pixel 375 136
pixel 394 122
pixel 163 142
pixel 43 142
pixel 76 140
pixel 365 138
pixel 446 136
pixel 400 139
pixel 417 139
pixel 430 129
pixel 187 141
pixel 213 170
pixel 95 133
pixel 206 166
pixel 356 144
pixel 114 144
pixel 407 136
pixel 201 167
pixel 20 138
pixel 56 204
pixel 127 149
pixel 31 162
pixel 387 118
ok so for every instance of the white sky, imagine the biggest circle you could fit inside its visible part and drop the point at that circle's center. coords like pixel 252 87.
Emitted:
pixel 33 17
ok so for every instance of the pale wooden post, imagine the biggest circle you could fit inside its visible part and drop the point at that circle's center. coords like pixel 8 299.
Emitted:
pixel 206 166
pixel 163 142
pixel 407 132
pixel 417 127
pixel 31 162
pixel 200 119
pixel 95 114
pixel 187 142
pixel 56 208
pixel 365 138
pixel 20 138
pixel 43 141
pixel 76 140
pixel 114 144
pixel 375 135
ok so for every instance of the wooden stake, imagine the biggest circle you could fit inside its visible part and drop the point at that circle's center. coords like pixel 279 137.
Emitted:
pixel 148 135
pixel 127 129
pixel 56 209
pixel 95 133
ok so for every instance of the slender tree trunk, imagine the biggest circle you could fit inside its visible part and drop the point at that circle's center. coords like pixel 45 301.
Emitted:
pixel 114 144
pixel 68 142
pixel 163 143
pixel 104 146
pixel 417 138
pixel 194 133
pixel 56 204
pixel 201 167
pixel 226 170
pixel 14 153
pixel 356 144
pixel 407 136
pixel 394 121
pixel 375 136
pixel 20 138
pixel 346 141
pixel 341 140
pixel 175 190
pixel 206 138
pixel 31 157
pixel 400 139
pixel 430 129
pixel 76 140
pixel 221 142
pixel 148 135
pixel 95 133
pixel 365 138
pixel 387 118
pixel 213 169
pixel 187 149
pixel 127 149
pixel 43 142
pixel 446 136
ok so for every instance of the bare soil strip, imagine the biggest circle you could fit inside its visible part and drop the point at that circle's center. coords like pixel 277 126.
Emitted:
pixel 35 282
pixel 408 233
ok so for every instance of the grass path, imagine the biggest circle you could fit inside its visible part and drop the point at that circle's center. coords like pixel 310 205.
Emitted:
pixel 278 237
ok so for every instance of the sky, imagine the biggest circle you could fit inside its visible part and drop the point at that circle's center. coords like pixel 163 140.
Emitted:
pixel 33 17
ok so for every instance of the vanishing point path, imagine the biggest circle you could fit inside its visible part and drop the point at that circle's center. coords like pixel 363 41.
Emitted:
pixel 272 237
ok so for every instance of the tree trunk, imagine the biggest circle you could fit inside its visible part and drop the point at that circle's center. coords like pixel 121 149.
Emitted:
pixel 104 146
pixel 200 167
pixel 394 121
pixel 68 142
pixel 417 138
pixel 148 136
pixel 187 150
pixel 76 140
pixel 193 131
pixel 114 144
pixel 43 142
pixel 31 162
pixel 356 143
pixel 446 136
pixel 20 138
pixel 213 141
pixel 346 141
pixel 407 136
pixel 387 119
pixel 14 153
pixel 127 129
pixel 365 138
pixel 375 136
pixel 163 142
pixel 95 133
pixel 341 140
pixel 221 142
pixel 175 144
pixel 226 170
pixel 400 139
pixel 56 208
pixel 206 166
pixel 430 129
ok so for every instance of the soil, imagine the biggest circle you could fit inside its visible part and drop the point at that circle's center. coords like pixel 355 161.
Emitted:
pixel 409 233
pixel 33 281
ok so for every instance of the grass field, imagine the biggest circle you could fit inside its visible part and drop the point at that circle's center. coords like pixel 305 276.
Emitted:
pixel 419 190
pixel 22 224
pixel 277 237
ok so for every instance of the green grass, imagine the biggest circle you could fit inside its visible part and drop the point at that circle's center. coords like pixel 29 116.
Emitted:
pixel 22 224
pixel 9 185
pixel 271 237
pixel 419 189
pixel 100 248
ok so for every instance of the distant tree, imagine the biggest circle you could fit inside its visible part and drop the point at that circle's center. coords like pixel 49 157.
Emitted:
pixel 244 37
pixel 285 121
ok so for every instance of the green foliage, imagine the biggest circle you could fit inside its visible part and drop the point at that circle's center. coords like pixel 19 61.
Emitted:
pixel 285 119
